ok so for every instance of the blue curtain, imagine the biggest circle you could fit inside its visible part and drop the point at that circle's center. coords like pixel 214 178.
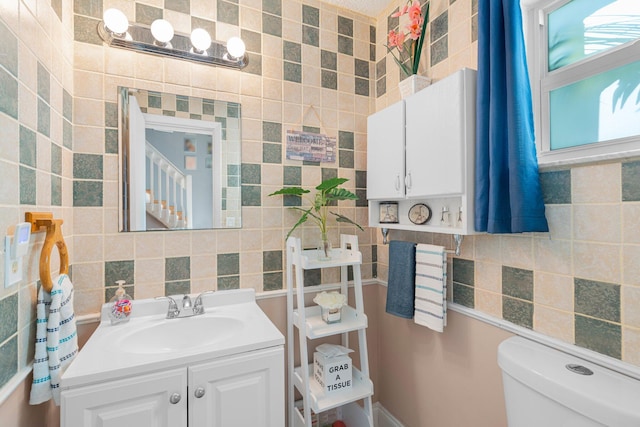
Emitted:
pixel 507 187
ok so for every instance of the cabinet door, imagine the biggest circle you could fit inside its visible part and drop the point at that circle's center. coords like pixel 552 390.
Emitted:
pixel 436 120
pixel 239 391
pixel 385 153
pixel 141 401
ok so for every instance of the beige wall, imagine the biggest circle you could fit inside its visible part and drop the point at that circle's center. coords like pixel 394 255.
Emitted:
pixel 446 380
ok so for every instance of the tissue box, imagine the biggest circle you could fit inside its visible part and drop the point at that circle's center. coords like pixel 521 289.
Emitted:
pixel 333 374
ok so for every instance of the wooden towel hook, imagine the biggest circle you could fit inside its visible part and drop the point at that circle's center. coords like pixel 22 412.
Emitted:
pixel 53 237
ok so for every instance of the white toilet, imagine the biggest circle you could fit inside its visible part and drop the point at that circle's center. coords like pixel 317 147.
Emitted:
pixel 545 387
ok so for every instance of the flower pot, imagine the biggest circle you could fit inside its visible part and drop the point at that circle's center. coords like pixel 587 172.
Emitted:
pixel 413 84
pixel 331 315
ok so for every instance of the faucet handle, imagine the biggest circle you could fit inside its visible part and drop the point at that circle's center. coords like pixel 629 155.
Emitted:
pixel 173 310
pixel 198 305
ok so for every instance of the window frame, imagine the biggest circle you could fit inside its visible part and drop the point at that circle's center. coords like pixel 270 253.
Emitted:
pixel 535 21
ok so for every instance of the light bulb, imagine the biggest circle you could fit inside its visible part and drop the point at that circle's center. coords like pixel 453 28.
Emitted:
pixel 236 47
pixel 162 31
pixel 115 21
pixel 200 39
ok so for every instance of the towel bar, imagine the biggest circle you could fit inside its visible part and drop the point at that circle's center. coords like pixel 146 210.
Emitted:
pixel 53 237
pixel 457 238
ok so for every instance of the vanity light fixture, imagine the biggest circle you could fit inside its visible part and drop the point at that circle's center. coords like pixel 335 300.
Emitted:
pixel 162 32
pixel 201 41
pixel 115 22
pixel 236 47
pixel 160 39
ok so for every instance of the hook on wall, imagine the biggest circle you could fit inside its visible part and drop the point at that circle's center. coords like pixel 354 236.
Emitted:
pixel 385 235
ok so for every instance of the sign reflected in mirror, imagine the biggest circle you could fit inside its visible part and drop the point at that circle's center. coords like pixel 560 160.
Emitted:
pixel 180 162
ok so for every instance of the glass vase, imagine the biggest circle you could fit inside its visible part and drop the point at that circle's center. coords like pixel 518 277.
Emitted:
pixel 324 248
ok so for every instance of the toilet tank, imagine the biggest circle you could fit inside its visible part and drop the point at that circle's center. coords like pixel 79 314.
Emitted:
pixel 540 390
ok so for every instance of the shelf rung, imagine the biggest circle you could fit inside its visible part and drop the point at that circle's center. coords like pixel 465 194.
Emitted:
pixel 320 401
pixel 317 328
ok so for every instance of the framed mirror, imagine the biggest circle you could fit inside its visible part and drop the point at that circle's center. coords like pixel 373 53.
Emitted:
pixel 180 162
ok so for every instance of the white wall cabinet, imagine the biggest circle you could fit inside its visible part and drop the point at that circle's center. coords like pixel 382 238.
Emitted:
pixel 421 150
pixel 236 391
pixel 386 138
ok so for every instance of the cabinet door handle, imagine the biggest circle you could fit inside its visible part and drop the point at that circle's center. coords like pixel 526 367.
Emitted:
pixel 397 182
pixel 407 181
pixel 199 392
pixel 175 398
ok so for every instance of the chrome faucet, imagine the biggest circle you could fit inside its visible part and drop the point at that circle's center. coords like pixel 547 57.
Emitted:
pixel 188 308
pixel 186 302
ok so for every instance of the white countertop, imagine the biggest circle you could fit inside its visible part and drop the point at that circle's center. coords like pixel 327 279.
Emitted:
pixel 102 359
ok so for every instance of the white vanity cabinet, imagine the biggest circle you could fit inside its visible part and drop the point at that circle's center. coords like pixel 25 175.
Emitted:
pixel 247 390
pixel 421 150
pixel 141 401
pixel 236 391
pixel 221 368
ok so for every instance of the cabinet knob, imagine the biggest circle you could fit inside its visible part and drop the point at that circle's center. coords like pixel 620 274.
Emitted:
pixel 175 398
pixel 407 181
pixel 397 182
pixel 199 392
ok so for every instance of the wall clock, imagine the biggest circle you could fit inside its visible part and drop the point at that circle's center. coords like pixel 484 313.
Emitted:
pixel 419 213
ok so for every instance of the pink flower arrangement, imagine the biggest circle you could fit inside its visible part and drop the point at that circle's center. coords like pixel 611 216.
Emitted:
pixel 409 41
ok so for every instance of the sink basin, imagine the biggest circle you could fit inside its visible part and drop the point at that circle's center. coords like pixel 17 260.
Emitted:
pixel 179 334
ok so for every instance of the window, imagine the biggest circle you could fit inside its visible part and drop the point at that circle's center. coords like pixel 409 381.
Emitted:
pixel 584 62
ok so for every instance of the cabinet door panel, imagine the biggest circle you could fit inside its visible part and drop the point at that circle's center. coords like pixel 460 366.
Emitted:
pixel 436 122
pixel 385 153
pixel 142 401
pixel 245 390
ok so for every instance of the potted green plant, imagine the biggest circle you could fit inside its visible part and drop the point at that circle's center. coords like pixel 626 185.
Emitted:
pixel 328 191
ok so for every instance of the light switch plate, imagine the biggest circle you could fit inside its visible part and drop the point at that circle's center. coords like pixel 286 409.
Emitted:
pixel 12 268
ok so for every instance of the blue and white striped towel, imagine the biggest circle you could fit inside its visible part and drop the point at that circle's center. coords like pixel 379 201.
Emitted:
pixel 56 340
pixel 431 287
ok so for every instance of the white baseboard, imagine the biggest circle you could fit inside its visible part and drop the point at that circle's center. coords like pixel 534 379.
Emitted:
pixel 384 418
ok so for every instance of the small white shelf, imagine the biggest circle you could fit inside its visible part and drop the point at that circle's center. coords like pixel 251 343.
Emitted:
pixel 309 324
pixel 318 328
pixel 339 257
pixel 320 401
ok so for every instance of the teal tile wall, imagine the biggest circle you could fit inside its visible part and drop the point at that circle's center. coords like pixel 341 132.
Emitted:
pixel 146 14
pixel 556 187
pixel 8 50
pixel 594 334
pixel 631 181
pixel 8 360
pixel 594 314
pixel 177 274
pixel 597 299
pixel 27 147
pixel 228 12
pixel 272 266
pixel 36 115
